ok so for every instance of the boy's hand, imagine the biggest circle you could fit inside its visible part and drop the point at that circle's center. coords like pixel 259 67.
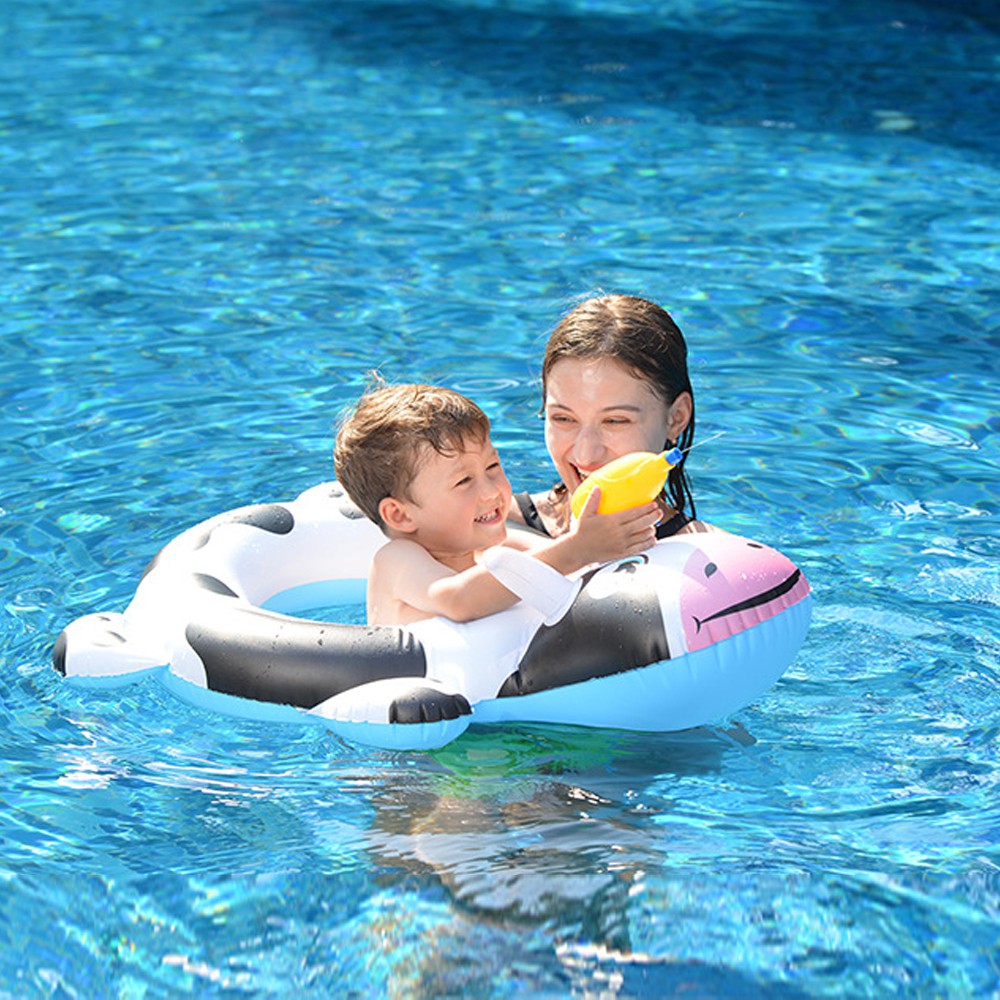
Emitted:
pixel 598 538
pixel 604 537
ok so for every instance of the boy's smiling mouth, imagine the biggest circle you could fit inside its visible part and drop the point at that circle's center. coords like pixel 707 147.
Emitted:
pixel 490 517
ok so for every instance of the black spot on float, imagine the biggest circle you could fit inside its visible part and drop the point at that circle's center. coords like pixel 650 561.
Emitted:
pixel 271 517
pixel 350 509
pixel 253 654
pixel 597 637
pixel 152 564
pixel 710 569
pixel 345 504
pixel 212 584
pixel 59 653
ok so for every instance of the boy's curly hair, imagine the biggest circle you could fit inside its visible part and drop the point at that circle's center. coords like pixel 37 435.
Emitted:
pixel 381 442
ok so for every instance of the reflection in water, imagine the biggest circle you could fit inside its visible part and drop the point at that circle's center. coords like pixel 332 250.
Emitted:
pixel 595 972
pixel 545 830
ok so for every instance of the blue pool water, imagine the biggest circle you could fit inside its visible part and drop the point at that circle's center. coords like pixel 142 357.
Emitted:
pixel 218 215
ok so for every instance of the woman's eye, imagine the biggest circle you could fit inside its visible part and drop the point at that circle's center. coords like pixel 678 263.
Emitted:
pixel 559 418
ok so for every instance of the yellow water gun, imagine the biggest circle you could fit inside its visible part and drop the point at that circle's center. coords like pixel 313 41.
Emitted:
pixel 629 481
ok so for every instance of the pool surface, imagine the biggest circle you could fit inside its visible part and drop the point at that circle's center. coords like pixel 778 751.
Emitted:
pixel 218 216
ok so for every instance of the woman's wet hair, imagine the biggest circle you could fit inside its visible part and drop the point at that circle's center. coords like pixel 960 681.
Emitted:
pixel 642 336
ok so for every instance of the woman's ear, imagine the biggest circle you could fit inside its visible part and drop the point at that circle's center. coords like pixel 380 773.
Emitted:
pixel 395 514
pixel 679 416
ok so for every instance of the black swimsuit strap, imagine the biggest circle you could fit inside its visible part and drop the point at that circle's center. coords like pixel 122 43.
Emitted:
pixel 530 512
pixel 673 525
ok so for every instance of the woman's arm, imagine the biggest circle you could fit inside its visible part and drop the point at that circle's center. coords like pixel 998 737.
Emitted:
pixel 546 513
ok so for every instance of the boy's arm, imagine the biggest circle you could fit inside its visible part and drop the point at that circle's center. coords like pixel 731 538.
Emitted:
pixel 596 538
pixel 412 575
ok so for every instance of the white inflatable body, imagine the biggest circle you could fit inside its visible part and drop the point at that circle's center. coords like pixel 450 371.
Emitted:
pixel 687 633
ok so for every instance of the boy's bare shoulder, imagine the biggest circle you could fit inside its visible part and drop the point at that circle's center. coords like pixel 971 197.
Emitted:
pixel 400 551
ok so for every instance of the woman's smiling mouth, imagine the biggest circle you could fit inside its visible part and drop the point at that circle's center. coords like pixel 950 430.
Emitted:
pixel 582 474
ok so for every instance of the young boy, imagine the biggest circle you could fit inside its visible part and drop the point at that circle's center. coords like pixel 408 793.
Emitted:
pixel 418 461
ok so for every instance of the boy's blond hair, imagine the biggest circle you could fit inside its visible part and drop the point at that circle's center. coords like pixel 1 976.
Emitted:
pixel 382 442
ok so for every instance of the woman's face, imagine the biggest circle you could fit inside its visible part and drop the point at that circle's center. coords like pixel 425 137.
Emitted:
pixel 597 410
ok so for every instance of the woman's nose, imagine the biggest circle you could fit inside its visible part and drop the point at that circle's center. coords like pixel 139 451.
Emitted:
pixel 588 448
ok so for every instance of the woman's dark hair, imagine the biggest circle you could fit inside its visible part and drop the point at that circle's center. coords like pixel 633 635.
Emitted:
pixel 643 337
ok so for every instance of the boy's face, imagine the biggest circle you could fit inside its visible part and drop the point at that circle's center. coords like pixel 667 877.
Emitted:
pixel 459 501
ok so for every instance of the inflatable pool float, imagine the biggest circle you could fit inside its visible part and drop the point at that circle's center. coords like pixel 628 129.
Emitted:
pixel 685 634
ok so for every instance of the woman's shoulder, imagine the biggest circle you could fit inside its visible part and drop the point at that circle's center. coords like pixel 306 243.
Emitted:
pixel 547 513
pixel 695 527
pixel 680 523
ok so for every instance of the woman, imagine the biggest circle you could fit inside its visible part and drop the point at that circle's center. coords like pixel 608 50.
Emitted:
pixel 614 380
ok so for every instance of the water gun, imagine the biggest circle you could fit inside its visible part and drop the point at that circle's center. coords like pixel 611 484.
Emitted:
pixel 629 481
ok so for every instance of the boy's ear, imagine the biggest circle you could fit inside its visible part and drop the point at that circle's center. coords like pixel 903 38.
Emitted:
pixel 395 514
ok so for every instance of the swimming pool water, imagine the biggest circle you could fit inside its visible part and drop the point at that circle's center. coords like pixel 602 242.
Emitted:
pixel 219 215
